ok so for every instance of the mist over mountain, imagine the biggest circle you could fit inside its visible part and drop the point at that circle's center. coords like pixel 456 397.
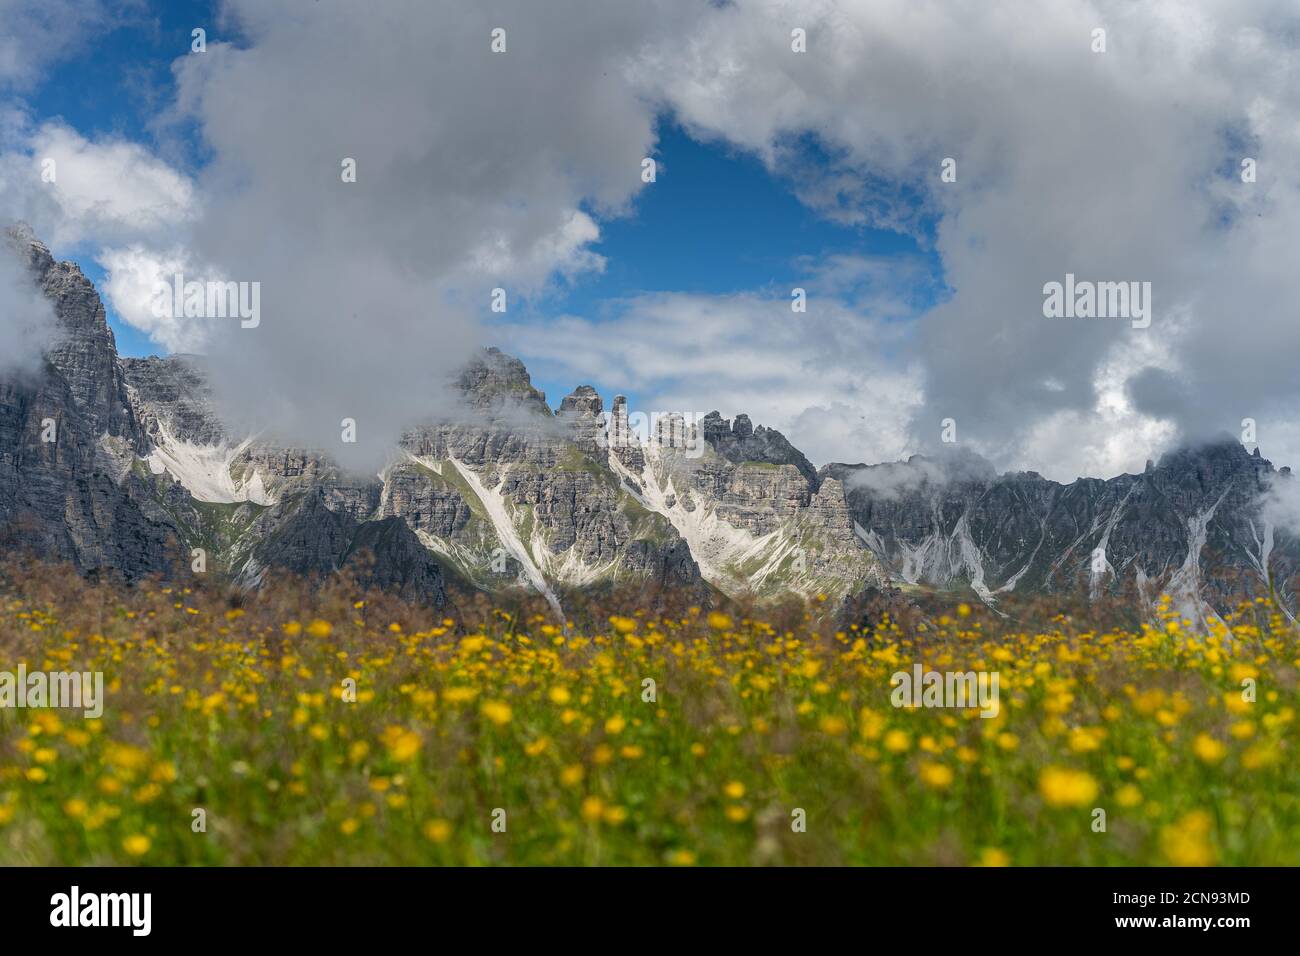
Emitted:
pixel 26 319
pixel 493 491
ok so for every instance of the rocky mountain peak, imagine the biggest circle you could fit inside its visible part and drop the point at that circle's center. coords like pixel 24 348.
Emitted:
pixel 623 442
pixel 1195 525
pixel 740 441
pixel 495 381
pixel 77 497
pixel 583 411
pixel 23 242
pixel 85 350
pixel 583 400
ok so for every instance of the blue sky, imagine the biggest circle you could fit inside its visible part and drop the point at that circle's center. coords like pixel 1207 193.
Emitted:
pixel 715 222
pixel 114 89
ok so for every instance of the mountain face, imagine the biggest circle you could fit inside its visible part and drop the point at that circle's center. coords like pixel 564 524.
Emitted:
pixel 510 494
pixel 68 436
pixel 146 478
pixel 139 475
pixel 1197 526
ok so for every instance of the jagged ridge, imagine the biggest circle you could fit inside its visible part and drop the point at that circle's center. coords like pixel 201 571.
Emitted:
pixel 143 471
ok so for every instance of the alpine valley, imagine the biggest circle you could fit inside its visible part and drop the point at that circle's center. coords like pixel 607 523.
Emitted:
pixel 142 477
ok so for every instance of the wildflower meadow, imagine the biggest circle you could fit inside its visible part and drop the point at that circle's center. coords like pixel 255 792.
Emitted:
pixel 320 727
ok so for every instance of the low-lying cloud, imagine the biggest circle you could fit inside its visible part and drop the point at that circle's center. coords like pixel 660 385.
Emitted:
pixel 949 466
pixel 474 171
pixel 27 321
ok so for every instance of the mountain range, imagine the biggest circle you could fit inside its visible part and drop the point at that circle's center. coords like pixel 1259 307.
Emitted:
pixel 124 466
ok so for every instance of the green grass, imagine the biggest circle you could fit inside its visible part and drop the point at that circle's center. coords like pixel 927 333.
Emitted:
pixel 752 728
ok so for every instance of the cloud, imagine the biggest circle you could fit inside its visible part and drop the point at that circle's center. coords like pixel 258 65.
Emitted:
pixel 474 170
pixel 109 188
pixel 27 321
pixel 951 464
pixel 822 377
pixel 477 170
pixel 33 33
pixel 111 199
pixel 77 194
pixel 565 252
pixel 74 191
pixel 1120 165
pixel 1282 503
pixel 132 277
